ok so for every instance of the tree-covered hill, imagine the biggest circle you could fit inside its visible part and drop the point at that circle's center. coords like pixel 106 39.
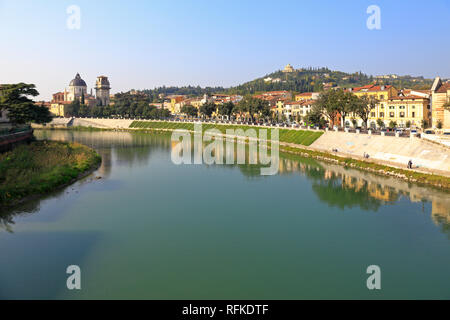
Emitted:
pixel 316 79
pixel 300 80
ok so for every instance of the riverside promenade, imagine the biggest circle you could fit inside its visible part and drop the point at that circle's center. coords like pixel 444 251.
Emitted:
pixel 397 151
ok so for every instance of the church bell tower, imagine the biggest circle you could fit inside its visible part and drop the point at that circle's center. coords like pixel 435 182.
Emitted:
pixel 102 88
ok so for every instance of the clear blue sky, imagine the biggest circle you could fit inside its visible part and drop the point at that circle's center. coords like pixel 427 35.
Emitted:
pixel 143 44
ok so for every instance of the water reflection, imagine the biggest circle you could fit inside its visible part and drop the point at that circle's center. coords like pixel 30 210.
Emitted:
pixel 335 185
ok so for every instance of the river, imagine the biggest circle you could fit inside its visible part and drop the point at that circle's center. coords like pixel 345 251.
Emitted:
pixel 141 227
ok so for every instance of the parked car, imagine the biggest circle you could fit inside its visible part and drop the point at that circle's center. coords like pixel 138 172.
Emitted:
pixel 428 131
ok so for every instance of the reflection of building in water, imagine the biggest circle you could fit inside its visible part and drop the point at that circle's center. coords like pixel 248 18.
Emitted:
pixel 386 189
pixel 105 166
pixel 440 211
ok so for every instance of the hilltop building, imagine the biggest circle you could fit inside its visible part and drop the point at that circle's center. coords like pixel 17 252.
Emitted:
pixel 288 68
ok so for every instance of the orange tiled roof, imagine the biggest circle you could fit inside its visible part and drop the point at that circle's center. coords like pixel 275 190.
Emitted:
pixel 407 97
pixel 276 92
pixel 371 88
pixel 443 88
pixel 305 94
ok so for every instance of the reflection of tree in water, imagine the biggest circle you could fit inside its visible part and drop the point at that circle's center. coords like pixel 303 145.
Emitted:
pixel 334 194
pixel 444 225
pixel 5 222
pixel 140 148
pixel 7 215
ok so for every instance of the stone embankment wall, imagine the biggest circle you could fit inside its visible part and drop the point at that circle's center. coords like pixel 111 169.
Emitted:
pixel 102 123
pixel 398 150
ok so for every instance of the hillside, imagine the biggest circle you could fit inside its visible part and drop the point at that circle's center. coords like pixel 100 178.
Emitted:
pixel 300 80
pixel 315 79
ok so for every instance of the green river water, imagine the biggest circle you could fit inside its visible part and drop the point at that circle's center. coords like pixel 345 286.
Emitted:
pixel 150 229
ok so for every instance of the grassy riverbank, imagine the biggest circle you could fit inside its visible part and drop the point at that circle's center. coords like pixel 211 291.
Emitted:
pixel 41 167
pixel 302 137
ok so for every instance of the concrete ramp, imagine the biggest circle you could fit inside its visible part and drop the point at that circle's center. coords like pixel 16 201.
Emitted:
pixel 102 123
pixel 423 154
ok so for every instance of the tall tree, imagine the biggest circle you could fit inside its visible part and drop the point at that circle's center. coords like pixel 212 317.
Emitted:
pixel 252 106
pixel 226 109
pixel 329 102
pixel 314 116
pixel 73 109
pixel 189 110
pixel 364 106
pixel 21 109
pixel 348 104
pixel 207 109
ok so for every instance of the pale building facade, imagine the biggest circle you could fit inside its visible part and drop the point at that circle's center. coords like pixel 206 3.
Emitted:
pixel 440 95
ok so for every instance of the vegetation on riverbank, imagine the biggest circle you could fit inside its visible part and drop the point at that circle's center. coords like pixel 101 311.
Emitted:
pixel 41 167
pixel 301 137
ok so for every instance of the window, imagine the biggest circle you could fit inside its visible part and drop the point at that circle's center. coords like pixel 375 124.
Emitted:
pixel 401 107
pixel 382 97
pixel 382 114
pixel 372 114
pixel 402 114
pixel 413 114
pixel 391 114
pixel 413 107
pixel 391 107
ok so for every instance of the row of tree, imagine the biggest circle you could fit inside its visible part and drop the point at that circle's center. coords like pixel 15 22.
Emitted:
pixel 125 107
pixel 249 108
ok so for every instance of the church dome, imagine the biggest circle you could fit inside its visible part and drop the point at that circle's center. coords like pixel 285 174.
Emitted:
pixel 77 82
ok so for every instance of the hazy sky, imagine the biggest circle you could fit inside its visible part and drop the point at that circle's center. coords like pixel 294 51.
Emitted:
pixel 143 44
